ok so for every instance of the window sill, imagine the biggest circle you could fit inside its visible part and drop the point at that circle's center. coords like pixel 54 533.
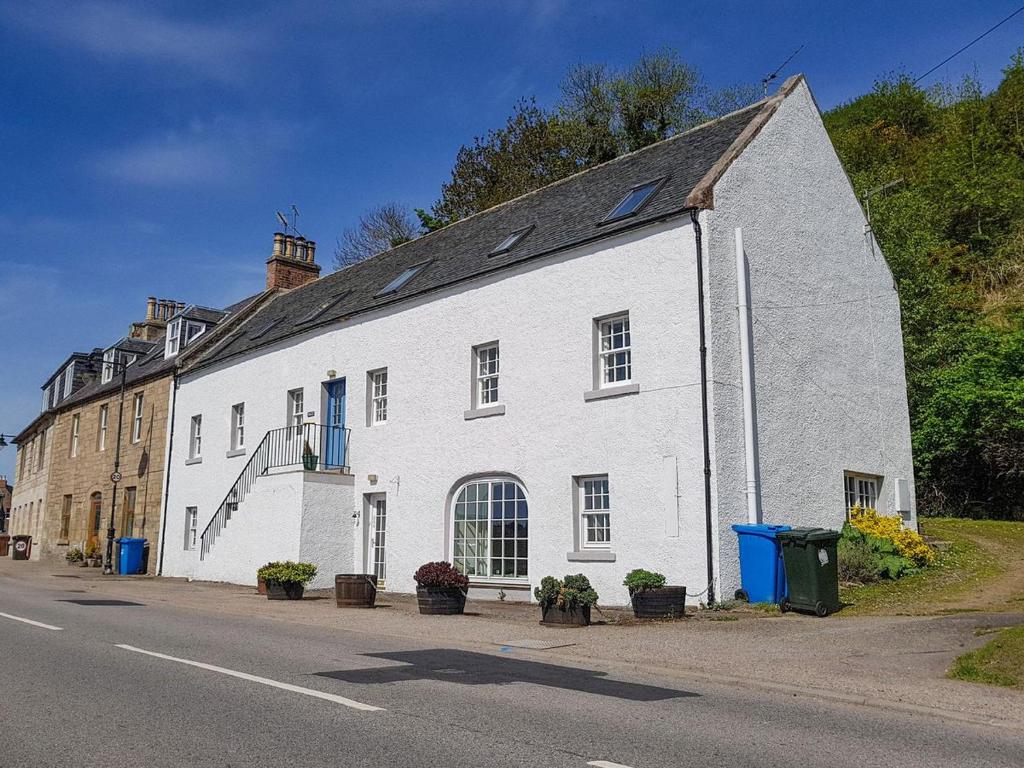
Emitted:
pixel 500 584
pixel 482 413
pixel 236 452
pixel 196 460
pixel 601 394
pixel 590 556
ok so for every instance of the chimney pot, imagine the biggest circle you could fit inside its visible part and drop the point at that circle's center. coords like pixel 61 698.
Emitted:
pixel 150 307
pixel 310 250
pixel 300 248
pixel 278 244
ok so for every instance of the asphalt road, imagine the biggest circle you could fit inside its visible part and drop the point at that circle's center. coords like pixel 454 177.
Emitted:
pixel 155 685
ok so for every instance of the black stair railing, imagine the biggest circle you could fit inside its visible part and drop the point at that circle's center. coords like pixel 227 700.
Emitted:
pixel 316 447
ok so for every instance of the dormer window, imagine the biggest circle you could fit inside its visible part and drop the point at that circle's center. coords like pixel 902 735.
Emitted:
pixel 181 333
pixel 69 379
pixel 113 360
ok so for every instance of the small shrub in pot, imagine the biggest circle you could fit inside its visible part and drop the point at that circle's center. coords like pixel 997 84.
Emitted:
pixel 651 598
pixel 440 589
pixel 566 602
pixel 74 556
pixel 286 580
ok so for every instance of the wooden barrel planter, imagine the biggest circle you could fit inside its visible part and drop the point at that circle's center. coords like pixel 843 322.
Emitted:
pixel 355 590
pixel 553 616
pixel 284 590
pixel 261 586
pixel 441 601
pixel 662 603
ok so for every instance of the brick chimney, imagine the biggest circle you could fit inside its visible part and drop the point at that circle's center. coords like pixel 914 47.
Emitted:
pixel 158 312
pixel 291 263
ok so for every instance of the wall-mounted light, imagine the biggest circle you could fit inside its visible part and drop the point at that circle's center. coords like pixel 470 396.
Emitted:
pixel 332 374
pixel 372 479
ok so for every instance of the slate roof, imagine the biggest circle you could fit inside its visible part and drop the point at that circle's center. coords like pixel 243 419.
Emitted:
pixel 561 215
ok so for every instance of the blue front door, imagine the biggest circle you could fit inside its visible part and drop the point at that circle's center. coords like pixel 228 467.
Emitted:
pixel 334 431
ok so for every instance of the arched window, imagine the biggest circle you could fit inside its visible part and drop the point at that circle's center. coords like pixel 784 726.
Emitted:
pixel 491 529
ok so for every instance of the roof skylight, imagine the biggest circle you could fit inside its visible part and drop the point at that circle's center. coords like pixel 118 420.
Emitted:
pixel 261 332
pixel 320 310
pixel 634 200
pixel 401 280
pixel 511 241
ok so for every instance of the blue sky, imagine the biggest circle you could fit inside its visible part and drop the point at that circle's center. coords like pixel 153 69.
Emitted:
pixel 144 147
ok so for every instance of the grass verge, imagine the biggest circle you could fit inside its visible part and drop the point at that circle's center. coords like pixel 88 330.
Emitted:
pixel 969 562
pixel 998 662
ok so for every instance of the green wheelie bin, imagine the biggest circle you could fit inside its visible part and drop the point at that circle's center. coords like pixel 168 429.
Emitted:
pixel 809 555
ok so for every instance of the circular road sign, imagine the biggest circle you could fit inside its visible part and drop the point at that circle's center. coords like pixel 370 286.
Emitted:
pixel 115 477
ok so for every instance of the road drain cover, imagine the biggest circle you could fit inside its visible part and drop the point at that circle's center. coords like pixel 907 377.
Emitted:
pixel 83 601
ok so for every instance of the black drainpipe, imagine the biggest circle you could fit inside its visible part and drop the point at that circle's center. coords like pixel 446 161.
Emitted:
pixel 167 474
pixel 694 217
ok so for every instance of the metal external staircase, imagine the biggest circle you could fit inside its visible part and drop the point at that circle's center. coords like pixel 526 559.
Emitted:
pixel 314 446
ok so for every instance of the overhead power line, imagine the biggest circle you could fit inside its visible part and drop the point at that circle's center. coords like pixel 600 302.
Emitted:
pixel 979 37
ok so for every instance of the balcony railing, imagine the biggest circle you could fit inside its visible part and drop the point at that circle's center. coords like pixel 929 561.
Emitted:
pixel 312 446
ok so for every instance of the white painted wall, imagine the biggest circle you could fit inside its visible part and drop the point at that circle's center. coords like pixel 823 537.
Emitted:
pixel 829 372
pixel 29 500
pixel 542 314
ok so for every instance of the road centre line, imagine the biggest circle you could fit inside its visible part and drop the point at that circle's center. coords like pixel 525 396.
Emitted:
pixel 606 764
pixel 33 623
pixel 262 680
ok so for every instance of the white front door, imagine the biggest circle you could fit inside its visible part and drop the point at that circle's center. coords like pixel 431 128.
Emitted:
pixel 377 533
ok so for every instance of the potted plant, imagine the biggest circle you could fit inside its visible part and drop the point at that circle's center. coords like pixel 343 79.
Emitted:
pixel 309 459
pixel 286 580
pixel 566 602
pixel 261 583
pixel 74 556
pixel 650 597
pixel 93 557
pixel 440 589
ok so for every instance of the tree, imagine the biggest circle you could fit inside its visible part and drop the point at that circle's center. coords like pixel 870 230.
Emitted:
pixel 530 151
pixel 378 230
pixel 656 98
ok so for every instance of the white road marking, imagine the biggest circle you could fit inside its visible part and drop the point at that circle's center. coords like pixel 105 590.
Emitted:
pixel 606 764
pixel 33 623
pixel 262 680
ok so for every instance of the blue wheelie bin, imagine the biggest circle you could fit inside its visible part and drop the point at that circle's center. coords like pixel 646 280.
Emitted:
pixel 129 560
pixel 762 573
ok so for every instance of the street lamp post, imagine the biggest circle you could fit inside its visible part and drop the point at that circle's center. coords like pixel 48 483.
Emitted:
pixel 115 476
pixel 3 512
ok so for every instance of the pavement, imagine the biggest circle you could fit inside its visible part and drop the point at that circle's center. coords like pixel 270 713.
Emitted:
pixel 167 673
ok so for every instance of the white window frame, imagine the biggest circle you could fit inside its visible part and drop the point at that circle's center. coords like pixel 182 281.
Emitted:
pixel 75 421
pixel 69 379
pixel 487 375
pixel 460 556
pixel 378 504
pixel 104 419
pixel 238 426
pixel 188 337
pixel 46 397
pixel 191 528
pixel 173 338
pixel 108 365
pixel 594 501
pixel 378 396
pixel 137 413
pixel 41 455
pixel 195 437
pixel 861 489
pixel 606 359
pixel 296 409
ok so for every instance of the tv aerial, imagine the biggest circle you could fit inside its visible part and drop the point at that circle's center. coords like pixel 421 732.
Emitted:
pixel 768 78
pixel 290 227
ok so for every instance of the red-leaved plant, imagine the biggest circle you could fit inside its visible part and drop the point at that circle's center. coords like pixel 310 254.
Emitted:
pixel 440 574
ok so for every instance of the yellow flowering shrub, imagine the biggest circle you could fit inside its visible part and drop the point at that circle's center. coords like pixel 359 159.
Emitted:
pixel 908 543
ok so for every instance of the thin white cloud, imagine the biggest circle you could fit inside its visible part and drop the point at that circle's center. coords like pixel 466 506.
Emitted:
pixel 116 30
pixel 222 152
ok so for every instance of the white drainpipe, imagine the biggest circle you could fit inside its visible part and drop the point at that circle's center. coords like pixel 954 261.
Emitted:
pixel 747 367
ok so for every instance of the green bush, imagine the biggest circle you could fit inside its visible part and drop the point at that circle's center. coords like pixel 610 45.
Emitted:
pixel 860 554
pixel 571 592
pixel 287 572
pixel 639 580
